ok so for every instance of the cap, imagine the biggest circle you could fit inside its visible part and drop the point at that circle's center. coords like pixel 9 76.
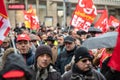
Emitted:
pixel 69 39
pixel 13 74
pixel 34 37
pixel 82 52
pixel 23 37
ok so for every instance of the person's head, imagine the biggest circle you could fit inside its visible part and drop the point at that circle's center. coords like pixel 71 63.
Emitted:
pixel 69 43
pixel 34 39
pixel 60 39
pixel 50 40
pixel 83 59
pixel 14 67
pixel 6 43
pixel 43 56
pixel 23 43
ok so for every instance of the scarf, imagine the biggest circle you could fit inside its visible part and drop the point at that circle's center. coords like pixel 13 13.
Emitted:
pixel 78 74
pixel 42 74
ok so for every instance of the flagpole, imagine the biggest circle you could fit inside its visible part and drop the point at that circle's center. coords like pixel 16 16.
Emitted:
pixel 64 16
pixel 13 43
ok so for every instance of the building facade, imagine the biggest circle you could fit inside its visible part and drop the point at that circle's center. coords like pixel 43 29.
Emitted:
pixel 51 12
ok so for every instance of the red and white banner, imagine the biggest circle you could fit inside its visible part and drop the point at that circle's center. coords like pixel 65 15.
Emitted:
pixel 113 22
pixel 31 19
pixel 4 22
pixel 102 22
pixel 84 15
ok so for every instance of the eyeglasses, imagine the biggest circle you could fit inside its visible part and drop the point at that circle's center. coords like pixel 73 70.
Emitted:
pixel 85 60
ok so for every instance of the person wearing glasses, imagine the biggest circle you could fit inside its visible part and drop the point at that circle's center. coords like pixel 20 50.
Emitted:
pixel 82 68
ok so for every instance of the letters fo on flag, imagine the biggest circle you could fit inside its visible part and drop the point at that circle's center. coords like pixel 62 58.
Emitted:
pixel 113 22
pixel 102 22
pixel 4 22
pixel 31 19
pixel 84 15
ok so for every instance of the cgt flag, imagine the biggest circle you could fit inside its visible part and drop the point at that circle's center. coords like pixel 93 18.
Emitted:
pixel 31 19
pixel 4 22
pixel 114 62
pixel 84 15
pixel 102 22
pixel 113 22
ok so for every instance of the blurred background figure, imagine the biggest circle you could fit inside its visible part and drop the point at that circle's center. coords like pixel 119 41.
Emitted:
pixel 14 67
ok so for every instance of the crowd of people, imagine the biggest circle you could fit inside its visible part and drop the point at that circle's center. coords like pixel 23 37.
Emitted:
pixel 53 54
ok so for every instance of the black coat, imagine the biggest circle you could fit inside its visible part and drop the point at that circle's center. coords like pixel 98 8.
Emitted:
pixel 16 62
pixel 80 75
pixel 108 73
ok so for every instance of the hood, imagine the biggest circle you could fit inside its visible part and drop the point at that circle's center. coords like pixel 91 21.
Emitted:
pixel 16 62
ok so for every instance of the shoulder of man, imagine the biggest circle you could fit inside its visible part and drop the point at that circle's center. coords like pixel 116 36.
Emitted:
pixel 98 75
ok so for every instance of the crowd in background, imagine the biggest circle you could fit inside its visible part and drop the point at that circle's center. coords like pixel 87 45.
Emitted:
pixel 53 53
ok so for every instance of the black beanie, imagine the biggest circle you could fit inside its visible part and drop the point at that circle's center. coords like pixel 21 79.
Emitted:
pixel 82 52
pixel 43 49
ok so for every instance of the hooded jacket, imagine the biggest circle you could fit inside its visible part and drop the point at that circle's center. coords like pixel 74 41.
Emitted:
pixel 12 61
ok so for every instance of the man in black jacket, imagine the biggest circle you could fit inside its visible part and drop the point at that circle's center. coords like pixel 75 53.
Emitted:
pixel 43 68
pixel 66 56
pixel 82 68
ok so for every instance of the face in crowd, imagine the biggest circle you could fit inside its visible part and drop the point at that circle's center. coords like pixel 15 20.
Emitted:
pixel 84 64
pixel 43 60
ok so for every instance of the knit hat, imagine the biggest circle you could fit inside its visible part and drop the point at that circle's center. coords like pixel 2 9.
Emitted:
pixel 43 49
pixel 82 52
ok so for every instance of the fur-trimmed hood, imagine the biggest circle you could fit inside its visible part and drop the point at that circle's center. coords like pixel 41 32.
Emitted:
pixel 6 53
pixel 12 61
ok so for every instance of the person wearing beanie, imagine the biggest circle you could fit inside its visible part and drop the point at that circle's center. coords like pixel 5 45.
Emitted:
pixel 43 67
pixel 82 68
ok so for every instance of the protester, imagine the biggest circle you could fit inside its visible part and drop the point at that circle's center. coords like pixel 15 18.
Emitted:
pixel 61 46
pixel 65 57
pixel 107 71
pixel 14 67
pixel 43 68
pixel 24 46
pixel 82 68
pixel 6 43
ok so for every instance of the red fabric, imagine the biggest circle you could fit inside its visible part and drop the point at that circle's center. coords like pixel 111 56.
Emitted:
pixel 115 59
pixel 13 74
pixel 104 56
pixel 84 15
pixel 23 37
pixel 102 22
pixel 31 19
pixel 4 22
pixel 113 22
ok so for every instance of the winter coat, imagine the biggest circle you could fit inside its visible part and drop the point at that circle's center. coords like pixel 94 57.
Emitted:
pixel 12 61
pixel 108 73
pixel 46 74
pixel 63 59
pixel 29 57
pixel 91 75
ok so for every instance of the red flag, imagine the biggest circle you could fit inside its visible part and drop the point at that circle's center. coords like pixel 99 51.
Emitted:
pixel 115 59
pixel 4 22
pixel 102 22
pixel 84 15
pixel 31 19
pixel 113 22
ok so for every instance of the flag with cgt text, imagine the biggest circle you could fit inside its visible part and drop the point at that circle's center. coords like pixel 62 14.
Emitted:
pixel 4 22
pixel 84 15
